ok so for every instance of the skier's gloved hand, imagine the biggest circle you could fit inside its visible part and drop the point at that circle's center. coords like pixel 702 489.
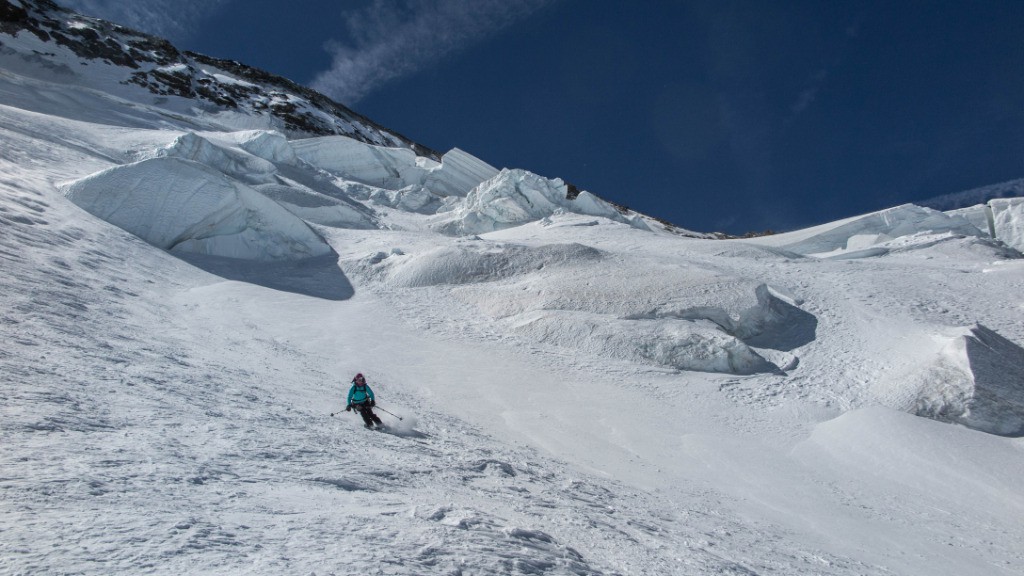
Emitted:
pixel 373 403
pixel 348 408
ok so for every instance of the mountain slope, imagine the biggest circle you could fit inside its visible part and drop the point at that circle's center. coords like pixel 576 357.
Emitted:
pixel 581 390
pixel 52 43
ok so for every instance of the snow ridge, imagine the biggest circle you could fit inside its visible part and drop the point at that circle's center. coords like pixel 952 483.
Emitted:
pixel 154 66
pixel 878 233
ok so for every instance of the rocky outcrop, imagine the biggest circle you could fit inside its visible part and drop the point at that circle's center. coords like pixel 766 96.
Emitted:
pixel 157 66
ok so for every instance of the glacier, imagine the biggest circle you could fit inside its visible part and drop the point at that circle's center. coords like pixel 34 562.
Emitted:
pixel 393 168
pixel 571 387
pixel 184 206
pixel 1008 221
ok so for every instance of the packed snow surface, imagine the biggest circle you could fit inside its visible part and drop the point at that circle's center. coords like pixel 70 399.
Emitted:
pixel 568 387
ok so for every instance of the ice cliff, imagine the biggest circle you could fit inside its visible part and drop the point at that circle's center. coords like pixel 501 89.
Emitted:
pixel 184 206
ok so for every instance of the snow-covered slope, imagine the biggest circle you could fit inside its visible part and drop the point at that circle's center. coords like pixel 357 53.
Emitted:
pixel 581 391
pixel 44 43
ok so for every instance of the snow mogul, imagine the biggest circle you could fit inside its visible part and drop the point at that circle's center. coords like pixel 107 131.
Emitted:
pixel 360 399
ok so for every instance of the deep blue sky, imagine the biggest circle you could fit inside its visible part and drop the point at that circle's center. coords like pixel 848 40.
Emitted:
pixel 727 115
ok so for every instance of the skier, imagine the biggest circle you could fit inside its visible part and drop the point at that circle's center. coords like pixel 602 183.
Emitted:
pixel 360 399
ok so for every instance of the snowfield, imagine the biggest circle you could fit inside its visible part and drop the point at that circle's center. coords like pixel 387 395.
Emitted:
pixel 570 387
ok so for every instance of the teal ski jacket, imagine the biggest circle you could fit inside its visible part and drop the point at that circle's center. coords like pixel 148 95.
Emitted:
pixel 359 394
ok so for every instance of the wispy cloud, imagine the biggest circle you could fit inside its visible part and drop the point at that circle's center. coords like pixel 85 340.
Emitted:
pixel 173 19
pixel 810 92
pixel 817 80
pixel 390 39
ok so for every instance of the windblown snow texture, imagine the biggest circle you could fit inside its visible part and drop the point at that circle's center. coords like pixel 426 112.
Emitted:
pixel 197 258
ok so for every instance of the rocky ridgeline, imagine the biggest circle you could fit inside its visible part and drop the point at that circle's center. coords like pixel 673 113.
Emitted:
pixel 156 65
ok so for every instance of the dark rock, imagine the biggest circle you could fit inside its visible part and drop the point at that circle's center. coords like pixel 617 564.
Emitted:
pixel 156 65
pixel 11 13
pixel 571 191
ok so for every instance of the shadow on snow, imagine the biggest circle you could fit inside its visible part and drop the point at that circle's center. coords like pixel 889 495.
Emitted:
pixel 795 329
pixel 317 277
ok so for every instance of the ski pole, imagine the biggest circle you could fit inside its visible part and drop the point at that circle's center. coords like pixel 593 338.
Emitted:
pixel 386 412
